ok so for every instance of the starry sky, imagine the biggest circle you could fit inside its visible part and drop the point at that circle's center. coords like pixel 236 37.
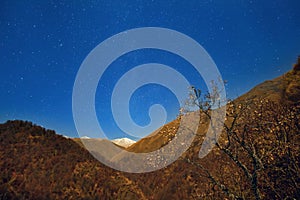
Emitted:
pixel 43 43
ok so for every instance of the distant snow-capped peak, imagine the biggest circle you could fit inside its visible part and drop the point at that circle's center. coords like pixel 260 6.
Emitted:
pixel 85 137
pixel 124 142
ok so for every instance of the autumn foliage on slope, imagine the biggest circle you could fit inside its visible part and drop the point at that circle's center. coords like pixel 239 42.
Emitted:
pixel 36 163
pixel 257 157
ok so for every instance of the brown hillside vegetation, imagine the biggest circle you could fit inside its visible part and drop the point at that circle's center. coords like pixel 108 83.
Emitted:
pixel 297 65
pixel 263 126
pixel 39 164
pixel 284 89
pixel 257 157
pixel 275 140
pixel 157 139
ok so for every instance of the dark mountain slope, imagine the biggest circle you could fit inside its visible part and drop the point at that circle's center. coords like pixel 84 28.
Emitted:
pixel 284 89
pixel 39 164
pixel 274 102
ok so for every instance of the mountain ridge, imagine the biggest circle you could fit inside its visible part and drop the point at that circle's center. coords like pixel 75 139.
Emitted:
pixel 38 164
pixel 282 89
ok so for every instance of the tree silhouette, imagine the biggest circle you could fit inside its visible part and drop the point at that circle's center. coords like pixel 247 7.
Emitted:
pixel 260 142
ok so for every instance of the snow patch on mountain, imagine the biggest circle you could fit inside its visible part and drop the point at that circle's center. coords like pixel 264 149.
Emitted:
pixel 124 142
pixel 85 137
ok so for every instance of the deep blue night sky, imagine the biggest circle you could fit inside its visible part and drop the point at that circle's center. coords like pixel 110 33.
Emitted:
pixel 43 44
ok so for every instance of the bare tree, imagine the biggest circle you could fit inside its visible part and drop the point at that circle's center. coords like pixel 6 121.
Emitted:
pixel 261 140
